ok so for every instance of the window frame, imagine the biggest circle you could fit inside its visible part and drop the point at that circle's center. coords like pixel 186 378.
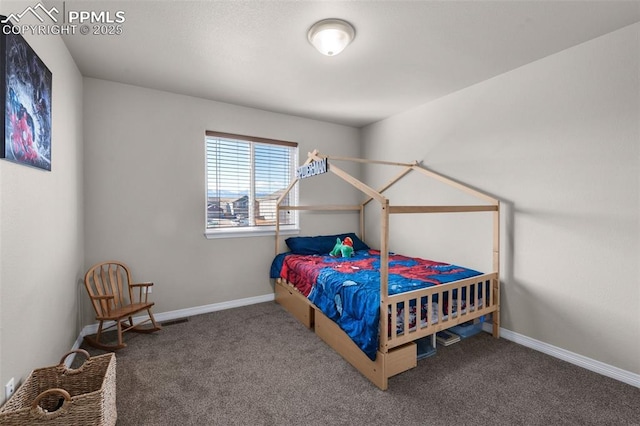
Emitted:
pixel 251 231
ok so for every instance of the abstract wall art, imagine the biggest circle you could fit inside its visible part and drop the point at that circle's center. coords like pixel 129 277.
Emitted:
pixel 25 93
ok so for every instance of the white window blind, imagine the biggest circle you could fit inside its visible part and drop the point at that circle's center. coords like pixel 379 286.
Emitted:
pixel 245 178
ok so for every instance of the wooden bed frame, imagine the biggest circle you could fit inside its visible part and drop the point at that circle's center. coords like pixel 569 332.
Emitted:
pixel 397 352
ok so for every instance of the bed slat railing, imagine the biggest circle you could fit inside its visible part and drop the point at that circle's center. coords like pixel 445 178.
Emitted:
pixel 472 297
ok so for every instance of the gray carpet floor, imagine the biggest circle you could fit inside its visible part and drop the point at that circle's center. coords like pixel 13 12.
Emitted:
pixel 257 365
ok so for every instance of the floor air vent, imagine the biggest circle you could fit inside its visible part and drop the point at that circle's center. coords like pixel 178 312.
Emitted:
pixel 173 322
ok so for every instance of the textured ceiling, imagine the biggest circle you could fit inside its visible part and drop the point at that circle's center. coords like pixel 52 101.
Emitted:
pixel 256 54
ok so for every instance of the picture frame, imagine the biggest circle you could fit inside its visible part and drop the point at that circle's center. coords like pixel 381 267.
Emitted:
pixel 25 93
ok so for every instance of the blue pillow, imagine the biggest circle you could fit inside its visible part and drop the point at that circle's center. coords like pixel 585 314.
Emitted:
pixel 322 244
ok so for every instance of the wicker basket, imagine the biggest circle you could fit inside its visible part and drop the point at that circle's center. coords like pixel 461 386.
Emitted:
pixel 61 396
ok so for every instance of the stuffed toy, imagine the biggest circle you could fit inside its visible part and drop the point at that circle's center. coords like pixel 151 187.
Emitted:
pixel 343 248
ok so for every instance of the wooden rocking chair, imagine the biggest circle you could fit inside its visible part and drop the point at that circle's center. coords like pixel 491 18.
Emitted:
pixel 112 295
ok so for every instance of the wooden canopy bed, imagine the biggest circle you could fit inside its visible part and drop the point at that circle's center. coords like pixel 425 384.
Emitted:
pixel 396 349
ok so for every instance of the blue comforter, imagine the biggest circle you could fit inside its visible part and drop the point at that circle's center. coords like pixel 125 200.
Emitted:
pixel 348 290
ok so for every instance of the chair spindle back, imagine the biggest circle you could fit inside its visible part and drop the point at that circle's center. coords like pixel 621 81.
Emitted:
pixel 110 278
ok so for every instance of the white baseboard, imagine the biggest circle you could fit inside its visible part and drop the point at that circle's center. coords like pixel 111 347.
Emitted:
pixel 572 358
pixel 183 313
pixel 180 313
pixel 554 351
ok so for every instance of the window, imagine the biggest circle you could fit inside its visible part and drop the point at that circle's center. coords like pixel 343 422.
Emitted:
pixel 245 178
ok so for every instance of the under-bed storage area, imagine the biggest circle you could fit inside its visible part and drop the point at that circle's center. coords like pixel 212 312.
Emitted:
pixel 442 307
pixel 395 361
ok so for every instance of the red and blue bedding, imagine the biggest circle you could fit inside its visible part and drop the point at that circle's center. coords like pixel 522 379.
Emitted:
pixel 347 290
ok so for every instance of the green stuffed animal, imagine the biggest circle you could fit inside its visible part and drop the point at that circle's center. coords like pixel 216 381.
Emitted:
pixel 342 248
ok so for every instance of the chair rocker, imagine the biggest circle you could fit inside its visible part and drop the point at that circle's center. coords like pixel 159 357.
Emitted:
pixel 112 295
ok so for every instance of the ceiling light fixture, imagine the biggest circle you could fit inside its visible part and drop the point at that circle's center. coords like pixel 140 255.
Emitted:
pixel 331 36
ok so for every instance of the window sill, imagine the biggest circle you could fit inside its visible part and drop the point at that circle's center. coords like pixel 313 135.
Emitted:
pixel 212 234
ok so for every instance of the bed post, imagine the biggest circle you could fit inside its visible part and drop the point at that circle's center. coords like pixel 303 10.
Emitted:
pixel 277 228
pixel 362 237
pixel 384 273
pixel 496 267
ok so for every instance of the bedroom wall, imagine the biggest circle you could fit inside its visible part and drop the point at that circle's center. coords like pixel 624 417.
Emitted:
pixel 558 142
pixel 145 191
pixel 41 230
